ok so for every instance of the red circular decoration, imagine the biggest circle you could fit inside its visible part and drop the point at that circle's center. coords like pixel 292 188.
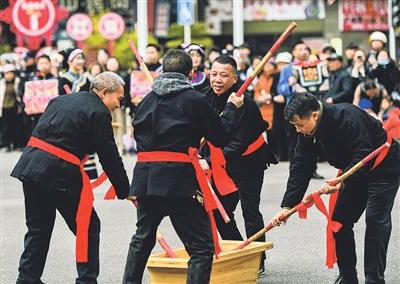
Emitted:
pixel 79 27
pixel 111 26
pixel 33 18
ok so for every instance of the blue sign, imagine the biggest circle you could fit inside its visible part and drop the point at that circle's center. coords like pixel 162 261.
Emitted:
pixel 185 12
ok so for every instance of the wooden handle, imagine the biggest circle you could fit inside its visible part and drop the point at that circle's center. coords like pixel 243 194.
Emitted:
pixel 267 57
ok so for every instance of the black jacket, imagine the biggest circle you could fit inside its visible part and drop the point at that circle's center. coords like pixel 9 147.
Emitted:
pixel 340 87
pixel 81 124
pixel 174 117
pixel 250 127
pixel 345 135
pixel 387 75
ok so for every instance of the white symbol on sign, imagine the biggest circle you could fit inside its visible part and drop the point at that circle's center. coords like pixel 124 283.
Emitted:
pixel 185 15
pixel 79 27
pixel 34 21
pixel 111 27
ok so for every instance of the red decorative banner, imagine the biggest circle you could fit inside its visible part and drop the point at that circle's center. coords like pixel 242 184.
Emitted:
pixel 32 20
pixel 363 15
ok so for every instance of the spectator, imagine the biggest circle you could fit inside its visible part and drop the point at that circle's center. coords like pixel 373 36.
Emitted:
pixel 75 77
pixel 358 70
pixel 378 41
pixel 386 70
pixel 326 51
pixel 118 116
pixel 262 93
pixel 73 81
pixel 245 50
pixel 102 56
pixel 10 109
pixel 95 69
pixel 243 64
pixel 254 63
pixel 349 52
pixel 371 90
pixel 199 77
pixel 340 83
pixel 153 57
pixel 279 126
pixel 29 69
pixel 390 116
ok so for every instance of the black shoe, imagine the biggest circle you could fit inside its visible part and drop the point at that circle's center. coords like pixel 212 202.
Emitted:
pixel 343 280
pixel 338 279
pixel 261 272
pixel 315 175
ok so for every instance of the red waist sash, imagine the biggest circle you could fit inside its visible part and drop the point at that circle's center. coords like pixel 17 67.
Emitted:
pixel 191 157
pixel 254 146
pixel 86 198
pixel 222 181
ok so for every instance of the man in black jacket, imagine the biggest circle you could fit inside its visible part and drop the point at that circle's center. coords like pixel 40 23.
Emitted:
pixel 340 82
pixel 346 134
pixel 246 170
pixel 70 127
pixel 169 121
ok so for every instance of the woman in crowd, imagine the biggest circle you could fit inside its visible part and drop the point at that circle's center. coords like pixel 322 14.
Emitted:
pixel 199 80
pixel 75 79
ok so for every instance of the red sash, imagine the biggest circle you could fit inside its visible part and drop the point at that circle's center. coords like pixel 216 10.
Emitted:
pixel 333 226
pixel 86 199
pixel 191 157
pixel 223 182
pixel 254 146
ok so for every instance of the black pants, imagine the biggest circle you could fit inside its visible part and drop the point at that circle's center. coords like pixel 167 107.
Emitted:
pixel 248 193
pixel 41 204
pixel 377 196
pixel 192 225
pixel 13 131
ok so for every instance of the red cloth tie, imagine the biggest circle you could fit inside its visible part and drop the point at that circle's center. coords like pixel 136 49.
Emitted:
pixel 191 157
pixel 332 226
pixel 85 206
pixel 222 180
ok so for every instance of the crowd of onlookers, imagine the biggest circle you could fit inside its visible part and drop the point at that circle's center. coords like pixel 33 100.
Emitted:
pixel 369 79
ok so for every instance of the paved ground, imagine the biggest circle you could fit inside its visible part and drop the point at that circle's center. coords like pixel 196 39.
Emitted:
pixel 298 254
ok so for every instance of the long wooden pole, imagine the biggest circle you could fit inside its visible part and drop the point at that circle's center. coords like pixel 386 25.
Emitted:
pixel 267 57
pixel 341 178
pixel 142 65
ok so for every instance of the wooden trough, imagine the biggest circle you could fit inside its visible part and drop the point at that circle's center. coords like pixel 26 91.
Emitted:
pixel 232 266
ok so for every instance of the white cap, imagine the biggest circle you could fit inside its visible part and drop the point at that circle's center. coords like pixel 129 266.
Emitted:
pixel 8 68
pixel 284 57
pixel 378 36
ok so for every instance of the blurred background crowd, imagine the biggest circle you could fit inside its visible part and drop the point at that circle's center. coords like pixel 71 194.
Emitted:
pixel 362 72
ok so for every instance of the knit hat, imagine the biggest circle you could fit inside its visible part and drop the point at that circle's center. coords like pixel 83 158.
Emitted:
pixel 8 68
pixel 285 57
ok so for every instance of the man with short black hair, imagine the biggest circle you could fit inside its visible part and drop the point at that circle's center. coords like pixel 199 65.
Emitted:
pixel 153 57
pixel 340 81
pixel 169 123
pixel 346 134
pixel 245 167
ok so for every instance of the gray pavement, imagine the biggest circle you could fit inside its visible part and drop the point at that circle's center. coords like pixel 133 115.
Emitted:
pixel 298 255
